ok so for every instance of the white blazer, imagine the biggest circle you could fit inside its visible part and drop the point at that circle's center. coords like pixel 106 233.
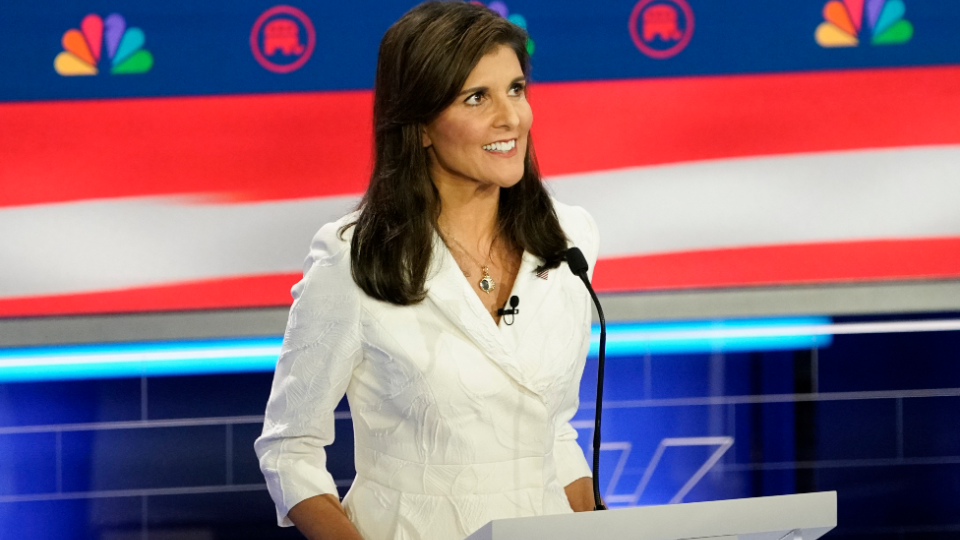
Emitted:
pixel 457 420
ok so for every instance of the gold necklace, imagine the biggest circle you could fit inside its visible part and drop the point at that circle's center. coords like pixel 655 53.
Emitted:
pixel 486 284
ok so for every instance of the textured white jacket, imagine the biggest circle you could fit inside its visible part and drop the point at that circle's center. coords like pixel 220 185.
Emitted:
pixel 457 420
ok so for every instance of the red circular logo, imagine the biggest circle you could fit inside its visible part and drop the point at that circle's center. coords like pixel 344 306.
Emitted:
pixel 283 39
pixel 661 28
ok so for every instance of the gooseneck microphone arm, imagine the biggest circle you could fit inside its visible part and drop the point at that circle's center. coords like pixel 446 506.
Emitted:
pixel 578 265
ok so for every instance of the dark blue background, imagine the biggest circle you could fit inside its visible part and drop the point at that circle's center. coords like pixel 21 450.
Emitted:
pixel 203 48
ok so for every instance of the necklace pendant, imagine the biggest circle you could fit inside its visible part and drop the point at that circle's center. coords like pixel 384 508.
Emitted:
pixel 487 284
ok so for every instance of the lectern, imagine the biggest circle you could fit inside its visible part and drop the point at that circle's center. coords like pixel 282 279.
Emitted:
pixel 787 517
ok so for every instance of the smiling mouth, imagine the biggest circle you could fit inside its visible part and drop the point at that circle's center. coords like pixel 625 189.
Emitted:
pixel 501 147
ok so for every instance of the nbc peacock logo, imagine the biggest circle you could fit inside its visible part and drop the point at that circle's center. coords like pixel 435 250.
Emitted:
pixel 844 23
pixel 84 48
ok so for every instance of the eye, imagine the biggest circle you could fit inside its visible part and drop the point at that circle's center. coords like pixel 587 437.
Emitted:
pixel 474 99
pixel 518 89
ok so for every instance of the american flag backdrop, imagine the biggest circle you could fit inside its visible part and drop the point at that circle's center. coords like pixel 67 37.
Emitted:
pixel 735 162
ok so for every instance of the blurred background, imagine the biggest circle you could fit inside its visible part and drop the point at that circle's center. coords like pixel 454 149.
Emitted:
pixel 777 186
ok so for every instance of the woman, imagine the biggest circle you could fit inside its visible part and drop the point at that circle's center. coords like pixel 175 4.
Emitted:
pixel 459 418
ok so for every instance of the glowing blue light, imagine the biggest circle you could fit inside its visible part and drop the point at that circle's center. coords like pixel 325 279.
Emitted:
pixel 139 359
pixel 690 337
pixel 240 355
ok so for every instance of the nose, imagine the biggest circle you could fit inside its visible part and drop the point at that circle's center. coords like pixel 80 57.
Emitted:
pixel 506 115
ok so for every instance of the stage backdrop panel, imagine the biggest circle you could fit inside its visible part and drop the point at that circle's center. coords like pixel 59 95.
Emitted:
pixel 180 156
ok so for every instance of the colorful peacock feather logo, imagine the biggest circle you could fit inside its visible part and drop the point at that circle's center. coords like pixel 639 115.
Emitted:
pixel 844 21
pixel 82 48
pixel 515 18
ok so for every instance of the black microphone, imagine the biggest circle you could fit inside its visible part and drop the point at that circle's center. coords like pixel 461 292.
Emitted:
pixel 578 265
pixel 514 302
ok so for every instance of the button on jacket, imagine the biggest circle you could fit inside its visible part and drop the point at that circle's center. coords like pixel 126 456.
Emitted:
pixel 457 420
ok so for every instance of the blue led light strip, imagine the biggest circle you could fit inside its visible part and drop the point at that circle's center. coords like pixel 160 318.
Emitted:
pixel 691 337
pixel 139 359
pixel 240 355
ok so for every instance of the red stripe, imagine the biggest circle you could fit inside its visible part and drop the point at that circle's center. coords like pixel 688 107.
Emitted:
pixel 318 144
pixel 584 127
pixel 783 265
pixel 239 292
pixel 768 265
pixel 236 147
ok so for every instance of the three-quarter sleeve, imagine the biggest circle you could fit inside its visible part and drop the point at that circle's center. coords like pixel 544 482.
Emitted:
pixel 321 348
pixel 571 462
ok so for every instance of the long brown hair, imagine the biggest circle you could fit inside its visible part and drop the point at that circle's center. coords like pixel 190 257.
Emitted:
pixel 424 61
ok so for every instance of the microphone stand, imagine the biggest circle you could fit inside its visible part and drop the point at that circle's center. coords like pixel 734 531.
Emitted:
pixel 578 265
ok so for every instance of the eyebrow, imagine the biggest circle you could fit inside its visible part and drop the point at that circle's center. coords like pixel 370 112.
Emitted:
pixel 476 89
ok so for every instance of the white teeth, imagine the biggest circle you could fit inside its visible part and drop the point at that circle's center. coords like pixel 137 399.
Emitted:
pixel 501 146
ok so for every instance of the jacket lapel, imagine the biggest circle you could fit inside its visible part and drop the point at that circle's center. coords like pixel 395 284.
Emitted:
pixel 532 290
pixel 449 291
pixel 544 331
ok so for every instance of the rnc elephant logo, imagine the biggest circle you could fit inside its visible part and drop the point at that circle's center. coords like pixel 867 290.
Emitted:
pixel 283 39
pixel 661 29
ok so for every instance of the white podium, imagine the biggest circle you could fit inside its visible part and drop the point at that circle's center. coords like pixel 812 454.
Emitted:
pixel 787 517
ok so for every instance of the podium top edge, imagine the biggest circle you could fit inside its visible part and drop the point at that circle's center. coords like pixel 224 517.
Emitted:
pixel 815 511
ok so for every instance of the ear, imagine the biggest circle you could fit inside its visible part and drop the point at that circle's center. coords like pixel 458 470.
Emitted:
pixel 425 137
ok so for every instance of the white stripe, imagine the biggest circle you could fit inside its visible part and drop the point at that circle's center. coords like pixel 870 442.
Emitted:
pixel 862 195
pixel 119 243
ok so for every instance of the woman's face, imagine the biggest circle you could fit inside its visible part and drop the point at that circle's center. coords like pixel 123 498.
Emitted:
pixel 482 137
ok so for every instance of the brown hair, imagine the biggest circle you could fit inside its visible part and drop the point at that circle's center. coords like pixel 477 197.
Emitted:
pixel 424 61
